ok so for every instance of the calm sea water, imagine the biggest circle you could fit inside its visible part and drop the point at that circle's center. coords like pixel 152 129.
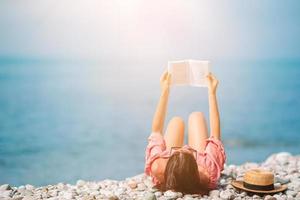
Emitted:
pixel 60 122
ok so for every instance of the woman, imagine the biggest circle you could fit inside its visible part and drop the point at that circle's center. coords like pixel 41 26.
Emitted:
pixel 193 168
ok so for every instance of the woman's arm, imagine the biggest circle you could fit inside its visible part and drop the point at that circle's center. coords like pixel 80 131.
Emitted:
pixel 214 118
pixel 160 113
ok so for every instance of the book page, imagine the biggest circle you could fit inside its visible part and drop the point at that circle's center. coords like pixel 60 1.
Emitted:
pixel 179 72
pixel 198 72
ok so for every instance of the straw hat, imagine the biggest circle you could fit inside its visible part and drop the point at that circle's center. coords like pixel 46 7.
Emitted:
pixel 258 181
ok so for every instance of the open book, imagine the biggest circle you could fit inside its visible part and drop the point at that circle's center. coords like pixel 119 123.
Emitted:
pixel 189 72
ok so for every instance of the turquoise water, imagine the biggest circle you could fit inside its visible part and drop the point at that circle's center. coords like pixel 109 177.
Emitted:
pixel 62 121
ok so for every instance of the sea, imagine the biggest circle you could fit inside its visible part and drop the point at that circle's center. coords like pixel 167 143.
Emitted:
pixel 65 120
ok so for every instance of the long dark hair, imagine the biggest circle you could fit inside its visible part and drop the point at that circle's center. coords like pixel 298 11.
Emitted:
pixel 181 175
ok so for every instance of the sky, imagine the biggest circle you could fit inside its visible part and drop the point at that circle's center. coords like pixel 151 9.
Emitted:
pixel 131 29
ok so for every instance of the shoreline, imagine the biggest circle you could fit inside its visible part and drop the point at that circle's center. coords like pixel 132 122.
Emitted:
pixel 286 168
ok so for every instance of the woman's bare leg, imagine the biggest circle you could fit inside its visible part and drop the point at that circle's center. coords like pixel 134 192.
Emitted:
pixel 174 135
pixel 197 131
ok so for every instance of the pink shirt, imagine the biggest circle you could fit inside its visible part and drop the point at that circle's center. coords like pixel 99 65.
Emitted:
pixel 212 159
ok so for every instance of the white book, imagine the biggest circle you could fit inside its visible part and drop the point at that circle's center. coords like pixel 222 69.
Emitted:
pixel 189 72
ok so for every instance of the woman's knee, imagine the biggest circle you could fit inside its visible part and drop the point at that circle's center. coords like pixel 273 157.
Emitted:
pixel 196 116
pixel 178 121
pixel 175 132
pixel 176 124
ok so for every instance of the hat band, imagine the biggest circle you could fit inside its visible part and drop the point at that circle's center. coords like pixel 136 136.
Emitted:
pixel 258 187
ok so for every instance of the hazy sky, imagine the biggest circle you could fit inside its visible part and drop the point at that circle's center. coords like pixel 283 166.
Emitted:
pixel 99 29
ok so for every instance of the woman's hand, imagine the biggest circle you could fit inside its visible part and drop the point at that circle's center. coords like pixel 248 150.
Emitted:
pixel 212 83
pixel 165 81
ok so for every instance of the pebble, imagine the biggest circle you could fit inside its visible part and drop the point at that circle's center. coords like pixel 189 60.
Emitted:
pixel 282 180
pixel 222 182
pixel 226 194
pixel 67 195
pixel 283 157
pixel 17 198
pixel 61 186
pixel 214 193
pixel 149 196
pixel 291 193
pixel 5 193
pixel 29 187
pixel 269 197
pixel 106 192
pixel 113 197
pixel 158 194
pixel 120 191
pixel 237 198
pixel 28 198
pixel 188 197
pixel 285 167
pixel 256 197
pixel 53 193
pixel 141 187
pixel 170 194
pixel 277 185
pixel 132 184
pixel 80 183
pixel 5 187
pixel 148 182
pixel 278 197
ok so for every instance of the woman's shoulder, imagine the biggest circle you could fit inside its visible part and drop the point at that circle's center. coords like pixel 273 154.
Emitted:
pixel 158 168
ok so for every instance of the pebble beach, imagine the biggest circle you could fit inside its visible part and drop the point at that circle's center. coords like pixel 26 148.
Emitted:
pixel 286 168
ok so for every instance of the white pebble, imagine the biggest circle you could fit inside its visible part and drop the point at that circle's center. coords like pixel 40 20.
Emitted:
pixel 214 193
pixel 28 198
pixel 283 157
pixel 188 197
pixel 5 193
pixel 80 183
pixel 106 192
pixel 141 187
pixel 149 196
pixel 132 184
pixel 170 194
pixel 29 187
pixel 281 180
pixel 269 197
pixel 291 193
pixel 67 195
pixel 5 187
pixel 226 194
pixel 256 197
pixel 222 181
pixel 158 194
pixel 277 185
pixel 61 186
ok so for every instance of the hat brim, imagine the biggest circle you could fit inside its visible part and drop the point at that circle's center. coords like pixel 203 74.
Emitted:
pixel 239 185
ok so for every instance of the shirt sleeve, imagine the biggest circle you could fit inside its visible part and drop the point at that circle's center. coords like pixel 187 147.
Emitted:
pixel 213 159
pixel 156 145
pixel 215 150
